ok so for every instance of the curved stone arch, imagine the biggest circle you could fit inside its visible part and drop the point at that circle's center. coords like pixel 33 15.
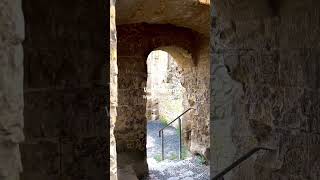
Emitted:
pixel 179 30
pixel 182 56
pixel 152 36
pixel 188 58
pixel 166 11
pixel 184 60
pixel 113 62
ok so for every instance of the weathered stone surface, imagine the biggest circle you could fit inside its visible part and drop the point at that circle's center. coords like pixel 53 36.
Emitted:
pixel 196 82
pixel 60 73
pixel 11 88
pixel 190 50
pixel 66 91
pixel 113 90
pixel 265 88
pixel 191 14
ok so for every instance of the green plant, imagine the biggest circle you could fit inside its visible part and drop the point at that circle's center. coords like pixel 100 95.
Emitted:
pixel 173 157
pixel 148 116
pixel 178 132
pixel 164 120
pixel 184 153
pixel 201 159
pixel 158 158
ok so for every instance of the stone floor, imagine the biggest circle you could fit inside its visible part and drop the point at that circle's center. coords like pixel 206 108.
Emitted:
pixel 171 168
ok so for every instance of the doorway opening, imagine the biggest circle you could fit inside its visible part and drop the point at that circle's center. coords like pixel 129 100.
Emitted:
pixel 167 155
pixel 135 110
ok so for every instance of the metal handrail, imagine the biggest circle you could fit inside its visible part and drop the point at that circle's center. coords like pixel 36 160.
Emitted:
pixel 240 160
pixel 176 119
pixel 162 137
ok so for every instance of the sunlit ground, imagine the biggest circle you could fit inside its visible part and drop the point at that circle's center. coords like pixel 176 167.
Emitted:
pixel 171 168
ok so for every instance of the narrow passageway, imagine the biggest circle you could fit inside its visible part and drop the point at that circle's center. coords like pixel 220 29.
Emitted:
pixel 160 75
pixel 171 168
pixel 166 100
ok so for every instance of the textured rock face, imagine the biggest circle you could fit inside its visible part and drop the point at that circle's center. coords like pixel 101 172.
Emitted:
pixel 196 81
pixel 180 28
pixel 113 90
pixel 130 126
pixel 65 91
pixel 11 88
pixel 191 14
pixel 135 42
pixel 265 88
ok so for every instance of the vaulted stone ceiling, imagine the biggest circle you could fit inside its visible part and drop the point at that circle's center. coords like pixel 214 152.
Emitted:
pixel 193 14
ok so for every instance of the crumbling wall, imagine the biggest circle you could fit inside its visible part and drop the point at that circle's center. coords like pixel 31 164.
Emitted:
pixel 196 81
pixel 65 90
pixel 265 86
pixel 11 88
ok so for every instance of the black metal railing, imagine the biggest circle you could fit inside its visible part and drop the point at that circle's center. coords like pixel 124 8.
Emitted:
pixel 162 137
pixel 220 175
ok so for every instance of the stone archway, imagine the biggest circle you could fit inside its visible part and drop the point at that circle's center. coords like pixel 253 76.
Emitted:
pixel 164 79
pixel 54 10
pixel 15 34
pixel 278 37
pixel 135 42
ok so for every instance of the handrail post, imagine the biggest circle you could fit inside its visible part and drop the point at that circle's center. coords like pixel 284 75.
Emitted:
pixel 162 148
pixel 180 143
pixel 180 134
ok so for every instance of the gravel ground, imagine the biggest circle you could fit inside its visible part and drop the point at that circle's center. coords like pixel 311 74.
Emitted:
pixel 187 169
pixel 171 140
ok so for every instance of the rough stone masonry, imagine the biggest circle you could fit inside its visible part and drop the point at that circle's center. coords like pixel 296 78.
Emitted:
pixel 66 74
pixel 11 88
pixel 265 88
pixel 264 80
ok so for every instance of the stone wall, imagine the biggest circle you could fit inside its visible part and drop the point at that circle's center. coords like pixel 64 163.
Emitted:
pixel 65 90
pixel 131 122
pixel 196 81
pixel 135 42
pixel 113 90
pixel 171 93
pixel 265 88
pixel 11 88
